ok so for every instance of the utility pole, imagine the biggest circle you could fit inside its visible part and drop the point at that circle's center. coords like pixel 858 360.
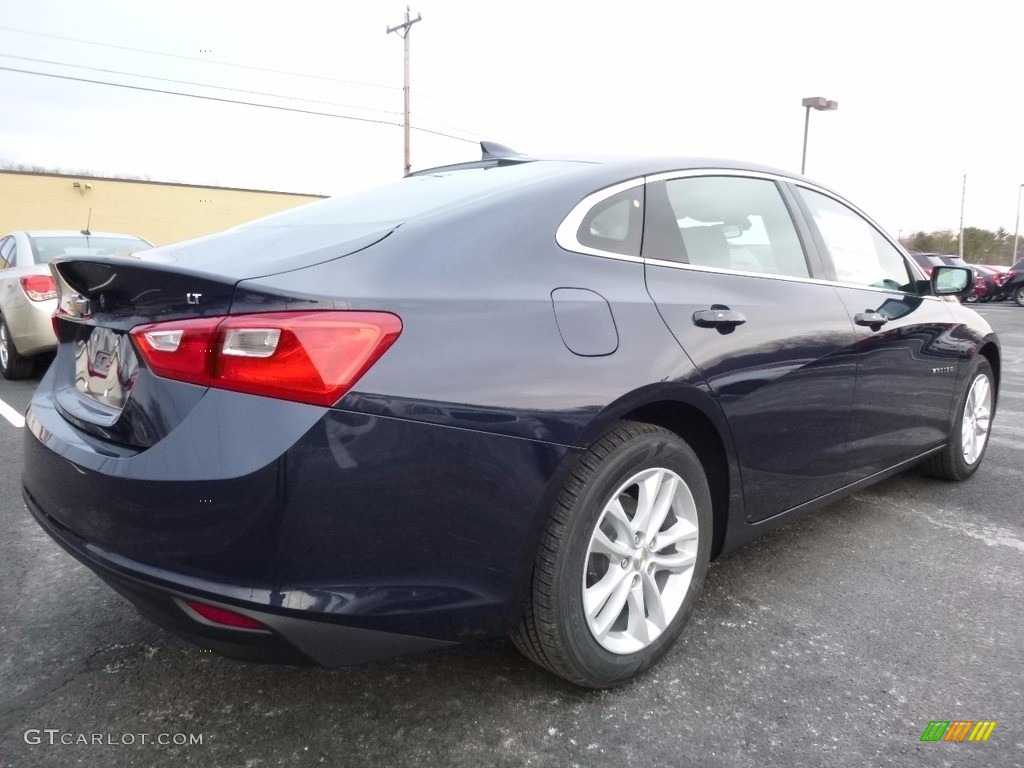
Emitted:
pixel 963 198
pixel 1016 227
pixel 403 31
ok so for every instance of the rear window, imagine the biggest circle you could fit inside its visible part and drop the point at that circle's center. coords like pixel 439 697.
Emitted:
pixel 46 249
pixel 387 206
pixel 926 259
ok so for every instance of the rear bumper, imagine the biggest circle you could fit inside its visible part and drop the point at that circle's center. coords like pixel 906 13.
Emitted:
pixel 288 639
pixel 350 536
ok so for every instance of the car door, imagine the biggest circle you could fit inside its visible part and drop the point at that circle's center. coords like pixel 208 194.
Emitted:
pixel 907 354
pixel 742 296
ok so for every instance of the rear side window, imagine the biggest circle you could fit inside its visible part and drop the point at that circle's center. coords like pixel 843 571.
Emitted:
pixel 860 254
pixel 614 225
pixel 725 222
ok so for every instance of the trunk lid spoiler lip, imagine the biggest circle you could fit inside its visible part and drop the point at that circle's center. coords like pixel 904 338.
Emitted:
pixel 161 260
pixel 124 292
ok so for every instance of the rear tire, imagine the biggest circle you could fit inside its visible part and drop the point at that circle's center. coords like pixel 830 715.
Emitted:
pixel 1018 295
pixel 12 364
pixel 967 444
pixel 622 559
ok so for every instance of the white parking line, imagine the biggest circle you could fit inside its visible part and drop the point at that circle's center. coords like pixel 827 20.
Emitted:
pixel 11 415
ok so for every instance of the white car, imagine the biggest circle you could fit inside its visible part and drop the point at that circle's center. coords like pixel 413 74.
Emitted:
pixel 28 295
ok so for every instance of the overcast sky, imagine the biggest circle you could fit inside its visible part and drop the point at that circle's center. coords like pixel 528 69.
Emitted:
pixel 927 91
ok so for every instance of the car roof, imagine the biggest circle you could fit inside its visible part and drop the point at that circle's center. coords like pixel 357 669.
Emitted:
pixel 625 165
pixel 76 233
pixel 601 170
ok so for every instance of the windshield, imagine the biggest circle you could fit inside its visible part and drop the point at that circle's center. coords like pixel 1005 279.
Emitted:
pixel 47 248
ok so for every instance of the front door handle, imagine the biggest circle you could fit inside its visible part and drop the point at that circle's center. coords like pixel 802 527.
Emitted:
pixel 874 320
pixel 718 316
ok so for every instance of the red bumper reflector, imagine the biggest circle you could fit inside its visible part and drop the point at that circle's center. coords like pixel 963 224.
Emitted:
pixel 223 616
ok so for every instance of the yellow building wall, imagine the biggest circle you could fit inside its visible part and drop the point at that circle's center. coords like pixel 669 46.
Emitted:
pixel 159 212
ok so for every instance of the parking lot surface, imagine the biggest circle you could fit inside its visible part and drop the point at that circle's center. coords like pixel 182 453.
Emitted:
pixel 831 642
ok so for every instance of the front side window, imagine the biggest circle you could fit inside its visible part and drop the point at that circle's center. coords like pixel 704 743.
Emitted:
pixel 6 252
pixel 860 254
pixel 725 222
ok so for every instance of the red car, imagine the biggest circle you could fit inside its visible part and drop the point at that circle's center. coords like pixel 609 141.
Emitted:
pixel 988 283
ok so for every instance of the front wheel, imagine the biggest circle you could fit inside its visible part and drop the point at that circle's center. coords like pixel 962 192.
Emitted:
pixel 966 448
pixel 622 559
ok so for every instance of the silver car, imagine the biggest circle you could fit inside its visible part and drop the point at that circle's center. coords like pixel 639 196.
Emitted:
pixel 28 295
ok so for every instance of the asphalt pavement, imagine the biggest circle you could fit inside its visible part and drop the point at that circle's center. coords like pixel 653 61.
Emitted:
pixel 834 641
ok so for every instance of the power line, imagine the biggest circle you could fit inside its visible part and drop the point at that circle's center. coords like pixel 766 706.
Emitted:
pixel 227 88
pixel 197 58
pixel 200 85
pixel 234 101
pixel 236 90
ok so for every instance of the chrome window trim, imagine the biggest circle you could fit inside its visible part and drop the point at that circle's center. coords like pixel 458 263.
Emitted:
pixel 565 235
pixel 720 271
pixel 787 278
pixel 691 172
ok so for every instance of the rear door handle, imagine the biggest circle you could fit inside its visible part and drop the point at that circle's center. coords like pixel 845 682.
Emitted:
pixel 718 317
pixel 871 318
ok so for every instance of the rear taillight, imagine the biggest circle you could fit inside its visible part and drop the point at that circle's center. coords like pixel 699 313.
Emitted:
pixel 309 357
pixel 39 287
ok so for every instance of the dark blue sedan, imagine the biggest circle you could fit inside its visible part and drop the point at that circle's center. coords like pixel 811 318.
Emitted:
pixel 517 396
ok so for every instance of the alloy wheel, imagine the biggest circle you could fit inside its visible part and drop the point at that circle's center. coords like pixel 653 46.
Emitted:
pixel 4 351
pixel 976 419
pixel 640 560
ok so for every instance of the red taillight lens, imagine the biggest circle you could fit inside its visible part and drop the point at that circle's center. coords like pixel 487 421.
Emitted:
pixel 223 616
pixel 39 287
pixel 309 357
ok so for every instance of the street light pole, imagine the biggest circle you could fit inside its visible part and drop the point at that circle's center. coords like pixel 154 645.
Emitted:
pixel 821 104
pixel 1016 227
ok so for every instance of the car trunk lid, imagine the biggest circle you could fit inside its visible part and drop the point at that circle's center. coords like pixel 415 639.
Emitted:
pixel 100 384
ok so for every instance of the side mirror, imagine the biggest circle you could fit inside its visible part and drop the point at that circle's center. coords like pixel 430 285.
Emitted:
pixel 951 281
